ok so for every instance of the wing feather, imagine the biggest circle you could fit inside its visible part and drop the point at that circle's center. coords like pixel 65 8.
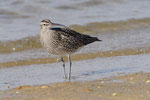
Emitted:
pixel 74 39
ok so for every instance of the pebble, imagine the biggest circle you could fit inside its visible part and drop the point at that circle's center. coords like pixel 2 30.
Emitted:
pixel 148 81
pixel 114 94
pixel 102 82
pixel 131 78
pixel 141 50
pixel 13 49
pixel 43 87
pixel 6 96
pixel 27 39
pixel 87 90
pixel 20 87
pixel 7 87
pixel 17 92
pixel 98 87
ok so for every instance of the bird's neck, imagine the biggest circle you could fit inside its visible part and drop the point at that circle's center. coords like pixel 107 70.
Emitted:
pixel 45 33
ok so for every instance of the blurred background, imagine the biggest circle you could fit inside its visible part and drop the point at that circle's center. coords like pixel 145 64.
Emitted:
pixel 123 25
pixel 21 18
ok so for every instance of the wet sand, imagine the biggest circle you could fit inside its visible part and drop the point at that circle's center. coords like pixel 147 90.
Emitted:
pixel 76 57
pixel 125 47
pixel 121 87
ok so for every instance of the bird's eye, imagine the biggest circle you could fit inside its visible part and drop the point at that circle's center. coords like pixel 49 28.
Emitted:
pixel 44 24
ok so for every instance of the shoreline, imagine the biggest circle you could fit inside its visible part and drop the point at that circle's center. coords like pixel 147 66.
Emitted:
pixel 134 86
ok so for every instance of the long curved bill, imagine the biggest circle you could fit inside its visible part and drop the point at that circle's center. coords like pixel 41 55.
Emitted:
pixel 55 25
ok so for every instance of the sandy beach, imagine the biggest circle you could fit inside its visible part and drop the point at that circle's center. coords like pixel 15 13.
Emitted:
pixel 123 87
pixel 118 68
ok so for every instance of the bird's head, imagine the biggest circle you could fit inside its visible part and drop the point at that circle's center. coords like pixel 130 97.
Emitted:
pixel 47 24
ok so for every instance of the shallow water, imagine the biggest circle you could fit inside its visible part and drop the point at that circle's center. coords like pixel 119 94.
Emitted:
pixel 123 28
pixel 81 71
pixel 21 18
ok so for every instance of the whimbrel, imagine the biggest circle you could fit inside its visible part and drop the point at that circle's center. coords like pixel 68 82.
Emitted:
pixel 60 40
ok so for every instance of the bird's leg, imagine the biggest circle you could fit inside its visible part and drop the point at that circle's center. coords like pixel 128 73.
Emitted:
pixel 69 58
pixel 64 67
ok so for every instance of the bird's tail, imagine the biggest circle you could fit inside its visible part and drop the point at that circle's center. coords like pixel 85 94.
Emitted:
pixel 89 40
pixel 96 39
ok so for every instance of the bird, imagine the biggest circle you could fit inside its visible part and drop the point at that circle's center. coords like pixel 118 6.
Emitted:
pixel 61 40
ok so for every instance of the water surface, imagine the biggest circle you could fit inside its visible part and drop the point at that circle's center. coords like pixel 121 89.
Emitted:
pixel 122 25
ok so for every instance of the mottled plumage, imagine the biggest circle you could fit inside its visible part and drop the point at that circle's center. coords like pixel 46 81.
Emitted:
pixel 74 37
pixel 60 40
